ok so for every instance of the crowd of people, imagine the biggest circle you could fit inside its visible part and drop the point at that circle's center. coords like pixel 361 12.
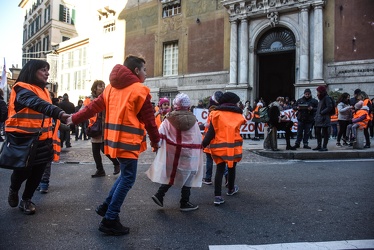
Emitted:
pixel 126 116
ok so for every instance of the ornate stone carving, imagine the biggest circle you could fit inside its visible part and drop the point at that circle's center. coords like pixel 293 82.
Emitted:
pixel 273 18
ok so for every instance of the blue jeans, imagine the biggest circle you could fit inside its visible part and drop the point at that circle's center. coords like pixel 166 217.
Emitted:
pixel 121 187
pixel 303 131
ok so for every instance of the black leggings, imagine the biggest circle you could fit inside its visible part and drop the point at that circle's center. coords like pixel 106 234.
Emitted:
pixel 342 129
pixel 220 170
pixel 96 148
pixel 31 175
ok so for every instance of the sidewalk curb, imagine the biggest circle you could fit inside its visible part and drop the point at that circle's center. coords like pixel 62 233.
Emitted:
pixel 294 155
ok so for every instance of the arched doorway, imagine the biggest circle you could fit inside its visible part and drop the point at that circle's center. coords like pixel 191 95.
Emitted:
pixel 276 64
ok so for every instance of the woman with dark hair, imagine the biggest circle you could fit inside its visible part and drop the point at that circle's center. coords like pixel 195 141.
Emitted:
pixel 30 110
pixel 98 141
pixel 344 117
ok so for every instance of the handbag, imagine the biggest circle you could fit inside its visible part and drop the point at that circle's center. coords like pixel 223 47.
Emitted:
pixel 96 129
pixel 19 150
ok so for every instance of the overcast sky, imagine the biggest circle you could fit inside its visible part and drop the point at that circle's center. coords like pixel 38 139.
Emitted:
pixel 12 18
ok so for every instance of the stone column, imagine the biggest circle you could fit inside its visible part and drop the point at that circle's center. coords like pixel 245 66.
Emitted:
pixel 318 43
pixel 234 52
pixel 243 61
pixel 304 45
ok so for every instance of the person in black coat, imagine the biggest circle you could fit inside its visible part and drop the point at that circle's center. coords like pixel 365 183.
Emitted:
pixel 34 72
pixel 306 108
pixel 69 108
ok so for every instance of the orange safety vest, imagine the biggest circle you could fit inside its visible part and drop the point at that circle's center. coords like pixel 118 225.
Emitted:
pixel 30 121
pixel 226 146
pixel 255 112
pixel 334 117
pixel 158 120
pixel 86 101
pixel 364 123
pixel 123 132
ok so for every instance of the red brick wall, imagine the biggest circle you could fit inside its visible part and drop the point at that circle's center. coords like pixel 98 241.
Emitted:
pixel 354 19
pixel 206 46
pixel 142 45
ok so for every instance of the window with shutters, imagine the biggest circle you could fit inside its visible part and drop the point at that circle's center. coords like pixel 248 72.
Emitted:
pixel 47 14
pixel 67 15
pixel 171 7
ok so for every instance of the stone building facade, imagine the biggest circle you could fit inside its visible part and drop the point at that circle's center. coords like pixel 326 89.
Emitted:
pixel 256 48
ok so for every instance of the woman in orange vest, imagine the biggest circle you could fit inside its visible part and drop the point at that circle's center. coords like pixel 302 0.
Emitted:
pixel 29 105
pixel 129 113
pixel 225 142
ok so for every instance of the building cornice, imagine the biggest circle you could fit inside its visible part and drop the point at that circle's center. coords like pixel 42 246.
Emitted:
pixel 73 45
pixel 23 3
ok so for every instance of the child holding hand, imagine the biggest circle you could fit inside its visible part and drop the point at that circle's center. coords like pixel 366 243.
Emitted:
pixel 179 159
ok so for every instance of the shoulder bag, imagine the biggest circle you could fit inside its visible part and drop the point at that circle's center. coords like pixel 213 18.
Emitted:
pixel 18 150
pixel 96 129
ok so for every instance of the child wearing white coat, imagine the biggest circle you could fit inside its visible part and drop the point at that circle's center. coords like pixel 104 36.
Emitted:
pixel 179 159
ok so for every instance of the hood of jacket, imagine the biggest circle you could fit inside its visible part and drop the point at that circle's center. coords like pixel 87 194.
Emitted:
pixel 122 77
pixel 182 119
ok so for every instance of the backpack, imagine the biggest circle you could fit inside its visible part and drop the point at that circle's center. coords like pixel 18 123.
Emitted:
pixel 332 111
pixel 264 114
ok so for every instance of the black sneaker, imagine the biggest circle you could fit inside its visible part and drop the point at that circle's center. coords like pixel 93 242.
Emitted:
pixel 307 147
pixel 296 145
pixel 27 207
pixel 13 199
pixel 98 173
pixel 188 206
pixel 207 181
pixel 113 227
pixel 101 209
pixel 158 199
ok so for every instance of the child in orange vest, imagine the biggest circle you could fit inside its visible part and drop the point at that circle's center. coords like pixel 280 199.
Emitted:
pixel 360 121
pixel 225 142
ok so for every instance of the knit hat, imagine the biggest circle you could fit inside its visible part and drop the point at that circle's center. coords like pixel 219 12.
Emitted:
pixel 162 101
pixel 229 97
pixel 307 91
pixel 213 100
pixel 259 104
pixel 321 89
pixel 359 104
pixel 181 101
pixel 216 96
